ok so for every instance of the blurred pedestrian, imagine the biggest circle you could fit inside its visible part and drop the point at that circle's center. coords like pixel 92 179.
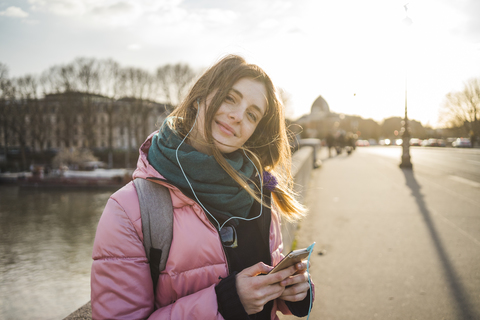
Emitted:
pixel 350 143
pixel 340 142
pixel 330 143
pixel 473 139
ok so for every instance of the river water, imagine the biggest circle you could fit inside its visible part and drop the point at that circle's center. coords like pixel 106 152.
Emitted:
pixel 46 239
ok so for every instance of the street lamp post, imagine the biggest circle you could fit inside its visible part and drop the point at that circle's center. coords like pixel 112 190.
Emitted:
pixel 406 163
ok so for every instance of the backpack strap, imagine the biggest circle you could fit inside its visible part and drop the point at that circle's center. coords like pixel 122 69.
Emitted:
pixel 157 224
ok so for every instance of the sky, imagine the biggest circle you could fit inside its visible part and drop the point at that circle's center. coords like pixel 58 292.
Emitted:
pixel 360 56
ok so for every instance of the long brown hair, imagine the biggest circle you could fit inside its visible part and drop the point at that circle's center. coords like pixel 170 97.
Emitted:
pixel 268 147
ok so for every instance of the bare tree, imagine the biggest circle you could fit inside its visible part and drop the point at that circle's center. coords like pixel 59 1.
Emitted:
pixel 462 108
pixel 6 97
pixel 174 81
pixel 111 83
pixel 38 120
pixel 87 73
pixel 77 86
pixel 3 71
pixel 25 97
pixel 61 78
pixel 60 90
pixel 87 77
pixel 74 96
pixel 136 88
pixel 147 108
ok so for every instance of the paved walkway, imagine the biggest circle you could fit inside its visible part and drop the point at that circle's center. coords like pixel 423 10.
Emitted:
pixel 384 248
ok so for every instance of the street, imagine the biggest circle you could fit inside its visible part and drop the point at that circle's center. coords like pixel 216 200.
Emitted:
pixel 393 243
pixel 462 163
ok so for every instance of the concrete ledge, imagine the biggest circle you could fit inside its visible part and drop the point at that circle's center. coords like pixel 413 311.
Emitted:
pixel 84 313
pixel 301 169
pixel 317 145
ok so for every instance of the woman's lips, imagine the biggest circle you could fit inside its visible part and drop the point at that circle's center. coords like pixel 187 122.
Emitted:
pixel 226 128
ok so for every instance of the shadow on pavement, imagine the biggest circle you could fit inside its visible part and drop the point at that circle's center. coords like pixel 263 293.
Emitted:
pixel 457 290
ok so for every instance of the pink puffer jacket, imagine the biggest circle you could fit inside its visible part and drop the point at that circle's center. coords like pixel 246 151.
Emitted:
pixel 121 284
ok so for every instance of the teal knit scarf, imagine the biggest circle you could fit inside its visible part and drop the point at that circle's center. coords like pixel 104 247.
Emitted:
pixel 217 191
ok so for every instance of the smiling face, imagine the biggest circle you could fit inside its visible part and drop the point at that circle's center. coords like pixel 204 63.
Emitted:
pixel 235 120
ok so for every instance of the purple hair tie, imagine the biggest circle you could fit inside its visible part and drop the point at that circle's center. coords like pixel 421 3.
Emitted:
pixel 269 181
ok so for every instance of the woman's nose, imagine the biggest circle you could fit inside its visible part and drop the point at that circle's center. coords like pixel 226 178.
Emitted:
pixel 236 114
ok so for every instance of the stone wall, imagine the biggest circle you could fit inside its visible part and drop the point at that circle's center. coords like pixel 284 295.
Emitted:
pixel 302 167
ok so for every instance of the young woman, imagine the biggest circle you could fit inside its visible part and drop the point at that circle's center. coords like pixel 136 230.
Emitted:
pixel 224 156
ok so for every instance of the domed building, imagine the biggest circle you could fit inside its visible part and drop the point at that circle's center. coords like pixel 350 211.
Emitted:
pixel 314 124
pixel 320 109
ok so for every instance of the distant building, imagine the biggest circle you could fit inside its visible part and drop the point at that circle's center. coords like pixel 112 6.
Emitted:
pixel 76 119
pixel 320 109
pixel 318 122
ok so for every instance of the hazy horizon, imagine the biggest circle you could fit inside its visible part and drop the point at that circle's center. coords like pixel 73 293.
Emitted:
pixel 357 55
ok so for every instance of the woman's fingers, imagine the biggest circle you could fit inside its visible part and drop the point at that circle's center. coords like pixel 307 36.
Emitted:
pixel 298 278
pixel 296 292
pixel 296 286
pixel 296 289
pixel 280 275
pixel 256 269
pixel 301 267
pixel 294 298
pixel 254 290
pixel 272 292
pixel 253 300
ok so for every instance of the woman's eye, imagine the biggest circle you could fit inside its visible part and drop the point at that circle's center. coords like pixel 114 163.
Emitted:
pixel 252 116
pixel 230 99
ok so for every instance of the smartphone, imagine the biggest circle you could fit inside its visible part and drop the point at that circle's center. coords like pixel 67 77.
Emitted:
pixel 290 259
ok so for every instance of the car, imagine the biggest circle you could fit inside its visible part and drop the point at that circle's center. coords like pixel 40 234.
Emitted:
pixel 415 142
pixel 362 143
pixel 433 143
pixel 450 141
pixel 462 143
pixel 385 142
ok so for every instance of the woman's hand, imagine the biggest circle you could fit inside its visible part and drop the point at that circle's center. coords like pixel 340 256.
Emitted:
pixel 255 291
pixel 297 284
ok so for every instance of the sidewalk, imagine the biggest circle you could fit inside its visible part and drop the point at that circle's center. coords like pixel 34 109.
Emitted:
pixel 382 250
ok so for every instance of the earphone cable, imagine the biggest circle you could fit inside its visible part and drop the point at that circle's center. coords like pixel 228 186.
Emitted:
pixel 310 250
pixel 193 191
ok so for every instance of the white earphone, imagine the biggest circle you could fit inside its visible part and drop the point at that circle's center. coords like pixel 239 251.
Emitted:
pixel 193 191
pixel 310 248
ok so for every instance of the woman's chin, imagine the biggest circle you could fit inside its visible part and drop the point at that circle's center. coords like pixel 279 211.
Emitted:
pixel 224 148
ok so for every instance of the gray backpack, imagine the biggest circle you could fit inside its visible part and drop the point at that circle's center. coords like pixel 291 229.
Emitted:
pixel 157 224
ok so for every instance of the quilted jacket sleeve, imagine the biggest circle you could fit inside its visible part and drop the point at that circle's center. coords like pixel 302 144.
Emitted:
pixel 121 283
